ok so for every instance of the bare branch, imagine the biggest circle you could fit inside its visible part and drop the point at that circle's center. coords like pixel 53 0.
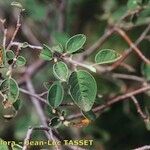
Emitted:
pixel 4 38
pixel 29 45
pixel 128 51
pixel 16 31
pixel 132 45
pixel 139 110
pixel 128 77
pixel 28 137
pixel 62 15
pixel 38 96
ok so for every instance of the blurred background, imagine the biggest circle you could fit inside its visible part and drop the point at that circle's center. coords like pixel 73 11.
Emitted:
pixel 47 21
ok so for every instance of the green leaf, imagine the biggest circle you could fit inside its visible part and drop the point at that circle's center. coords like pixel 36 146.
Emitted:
pixel 55 94
pixel 58 48
pixel 105 56
pixel 89 115
pixel 75 43
pixel 60 71
pixel 146 71
pixel 46 53
pixel 10 55
pixel 132 4
pixel 83 89
pixel 4 145
pixel 9 87
pixel 21 61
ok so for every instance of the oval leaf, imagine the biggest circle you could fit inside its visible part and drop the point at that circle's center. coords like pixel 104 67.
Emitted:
pixel 10 55
pixel 106 56
pixel 55 94
pixel 9 87
pixel 75 43
pixel 60 71
pixel 46 53
pixel 83 89
pixel 21 61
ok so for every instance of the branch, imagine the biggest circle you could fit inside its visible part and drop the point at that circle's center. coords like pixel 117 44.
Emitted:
pixel 97 44
pixel 38 96
pixel 34 95
pixel 62 16
pixel 40 112
pixel 146 147
pixel 139 110
pixel 2 21
pixel 29 134
pixel 28 137
pixel 128 51
pixel 28 45
pixel 128 77
pixel 132 45
pixel 16 31
pixel 119 98
pixel 42 117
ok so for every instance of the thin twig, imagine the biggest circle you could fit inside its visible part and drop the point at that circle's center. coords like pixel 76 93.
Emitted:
pixel 128 77
pixel 132 45
pixel 15 32
pixel 139 110
pixel 62 15
pixel 28 45
pixel 4 38
pixel 128 51
pixel 34 95
pixel 38 96
pixel 28 137
pixel 97 44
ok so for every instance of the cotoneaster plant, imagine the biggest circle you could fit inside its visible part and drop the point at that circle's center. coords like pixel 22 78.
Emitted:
pixel 81 85
pixel 73 79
